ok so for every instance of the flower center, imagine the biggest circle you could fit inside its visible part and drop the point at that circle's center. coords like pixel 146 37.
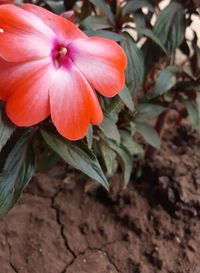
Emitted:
pixel 62 51
pixel 60 56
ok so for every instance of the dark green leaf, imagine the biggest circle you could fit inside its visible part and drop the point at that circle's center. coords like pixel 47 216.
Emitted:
pixel 109 128
pixel 78 155
pixel 148 33
pixel 95 23
pixel 125 159
pixel 18 170
pixel 170 26
pixel 198 105
pixel 56 6
pixel 133 147
pixel 6 128
pixel 134 5
pixel 115 107
pixel 196 62
pixel 147 111
pixel 127 99
pixel 166 80
pixel 109 157
pixel 193 112
pixel 106 34
pixel 105 8
pixel 197 49
pixel 45 160
pixel 90 136
pixel 132 128
pixel 149 134
pixel 140 21
pixel 135 68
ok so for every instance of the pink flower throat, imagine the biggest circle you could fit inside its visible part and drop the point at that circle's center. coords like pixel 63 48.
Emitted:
pixel 61 56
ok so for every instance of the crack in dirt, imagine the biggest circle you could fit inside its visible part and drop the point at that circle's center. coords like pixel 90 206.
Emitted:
pixel 110 261
pixel 57 210
pixel 10 254
pixel 69 264
pixel 93 249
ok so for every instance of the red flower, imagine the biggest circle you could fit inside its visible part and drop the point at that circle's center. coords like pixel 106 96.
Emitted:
pixel 50 67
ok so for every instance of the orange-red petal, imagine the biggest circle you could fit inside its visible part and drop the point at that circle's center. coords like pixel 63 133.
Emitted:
pixel 23 36
pixel 65 30
pixel 102 62
pixel 74 104
pixel 27 98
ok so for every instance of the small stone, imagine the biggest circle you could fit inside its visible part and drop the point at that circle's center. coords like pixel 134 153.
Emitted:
pixel 178 239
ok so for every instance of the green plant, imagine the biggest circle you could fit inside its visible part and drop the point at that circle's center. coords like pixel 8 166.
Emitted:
pixel 157 79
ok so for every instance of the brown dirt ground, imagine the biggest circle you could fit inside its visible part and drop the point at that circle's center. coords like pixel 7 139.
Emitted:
pixel 60 226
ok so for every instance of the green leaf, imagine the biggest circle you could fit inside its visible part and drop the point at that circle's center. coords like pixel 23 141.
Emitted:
pixel 106 34
pixel 78 155
pixel 197 52
pixel 194 69
pixel 198 106
pixel 125 159
pixel 135 5
pixel 170 26
pixel 6 128
pixel 166 80
pixel 17 172
pixel 149 134
pixel 135 68
pixel 193 112
pixel 46 159
pixel 90 136
pixel 109 128
pixel 109 157
pixel 127 99
pixel 105 8
pixel 148 33
pixel 140 21
pixel 147 111
pixel 132 128
pixel 56 6
pixel 95 23
pixel 115 107
pixel 133 147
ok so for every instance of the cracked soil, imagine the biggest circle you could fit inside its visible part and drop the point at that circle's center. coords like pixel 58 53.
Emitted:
pixel 64 225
